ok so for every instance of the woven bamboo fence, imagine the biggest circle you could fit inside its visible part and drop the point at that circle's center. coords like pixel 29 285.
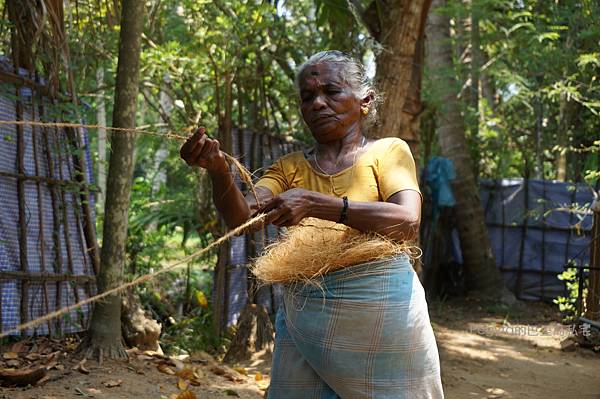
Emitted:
pixel 48 248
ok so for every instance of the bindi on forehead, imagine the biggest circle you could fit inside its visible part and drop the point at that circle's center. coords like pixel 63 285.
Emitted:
pixel 321 75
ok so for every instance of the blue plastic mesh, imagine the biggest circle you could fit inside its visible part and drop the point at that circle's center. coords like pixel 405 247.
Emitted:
pixel 259 151
pixel 43 255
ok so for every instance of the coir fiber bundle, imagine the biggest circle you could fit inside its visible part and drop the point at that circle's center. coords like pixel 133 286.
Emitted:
pixel 316 247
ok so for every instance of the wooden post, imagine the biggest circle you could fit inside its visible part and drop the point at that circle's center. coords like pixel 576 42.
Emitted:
pixel 49 146
pixel 42 241
pixel 62 145
pixel 593 296
pixel 22 210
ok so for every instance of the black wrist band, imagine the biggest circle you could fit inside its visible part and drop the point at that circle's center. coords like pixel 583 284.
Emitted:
pixel 344 213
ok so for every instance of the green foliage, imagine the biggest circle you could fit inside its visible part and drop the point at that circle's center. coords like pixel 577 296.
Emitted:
pixel 193 333
pixel 568 304
pixel 539 91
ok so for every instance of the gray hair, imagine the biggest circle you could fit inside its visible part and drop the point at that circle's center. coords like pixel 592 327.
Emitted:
pixel 352 71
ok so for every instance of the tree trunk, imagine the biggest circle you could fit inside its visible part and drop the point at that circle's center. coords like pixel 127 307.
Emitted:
pixel 254 333
pixel 140 330
pixel 220 285
pixel 101 120
pixel 399 68
pixel 568 111
pixel 104 336
pixel 162 152
pixel 475 77
pixel 482 274
pixel 593 298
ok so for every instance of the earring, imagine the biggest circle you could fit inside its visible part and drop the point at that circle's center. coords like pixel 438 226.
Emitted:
pixel 365 111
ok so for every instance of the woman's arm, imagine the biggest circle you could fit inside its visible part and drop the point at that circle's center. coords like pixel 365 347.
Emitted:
pixel 398 218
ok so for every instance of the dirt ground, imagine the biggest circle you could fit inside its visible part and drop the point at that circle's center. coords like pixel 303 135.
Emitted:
pixel 491 352
pixel 486 351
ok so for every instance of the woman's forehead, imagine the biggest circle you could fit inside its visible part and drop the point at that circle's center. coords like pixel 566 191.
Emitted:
pixel 321 74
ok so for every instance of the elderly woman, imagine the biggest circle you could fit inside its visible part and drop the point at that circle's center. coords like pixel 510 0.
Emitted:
pixel 364 335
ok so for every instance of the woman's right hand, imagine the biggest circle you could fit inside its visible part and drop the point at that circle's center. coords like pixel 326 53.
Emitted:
pixel 200 150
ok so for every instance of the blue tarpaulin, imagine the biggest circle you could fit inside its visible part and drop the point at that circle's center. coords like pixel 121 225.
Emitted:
pixel 256 151
pixel 535 231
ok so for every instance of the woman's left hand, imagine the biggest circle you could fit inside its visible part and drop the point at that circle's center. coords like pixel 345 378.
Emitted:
pixel 287 208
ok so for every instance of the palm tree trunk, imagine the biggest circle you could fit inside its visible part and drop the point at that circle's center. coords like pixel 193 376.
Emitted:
pixel 399 67
pixel 104 336
pixel 482 274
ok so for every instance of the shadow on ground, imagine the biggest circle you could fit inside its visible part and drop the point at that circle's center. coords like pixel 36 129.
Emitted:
pixel 491 351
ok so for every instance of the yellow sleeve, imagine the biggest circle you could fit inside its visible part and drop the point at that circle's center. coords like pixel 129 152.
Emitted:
pixel 397 169
pixel 274 179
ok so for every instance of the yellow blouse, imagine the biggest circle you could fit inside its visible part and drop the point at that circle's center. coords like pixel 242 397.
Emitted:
pixel 381 171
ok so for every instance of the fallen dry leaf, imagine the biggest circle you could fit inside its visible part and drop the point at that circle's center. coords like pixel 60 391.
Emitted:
pixel 10 355
pixel 42 380
pixel 51 365
pixel 18 346
pixel 258 376
pixel 218 370
pixel 182 384
pixel 222 372
pixel 32 356
pixel 186 373
pixel 186 395
pixel 233 378
pixel 81 368
pixel 241 370
pixel 263 385
pixel 13 363
pixel 112 383
pixel 155 354
pixel 164 368
pixel 177 363
pixel 21 377
pixel 196 382
pixel 53 356
pixel 198 374
pixel 72 346
pixel 136 370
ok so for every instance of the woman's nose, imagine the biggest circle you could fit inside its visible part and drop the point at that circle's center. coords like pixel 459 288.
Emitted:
pixel 319 102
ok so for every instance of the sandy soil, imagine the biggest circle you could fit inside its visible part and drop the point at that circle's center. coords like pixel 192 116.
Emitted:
pixel 140 378
pixel 491 352
pixel 486 351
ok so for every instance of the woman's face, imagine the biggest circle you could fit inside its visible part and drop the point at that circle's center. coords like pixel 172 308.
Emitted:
pixel 328 104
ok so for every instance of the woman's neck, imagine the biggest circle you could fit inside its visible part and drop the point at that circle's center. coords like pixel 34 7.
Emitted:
pixel 333 150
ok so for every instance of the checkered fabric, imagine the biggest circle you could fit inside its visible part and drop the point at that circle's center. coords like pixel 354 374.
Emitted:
pixel 364 333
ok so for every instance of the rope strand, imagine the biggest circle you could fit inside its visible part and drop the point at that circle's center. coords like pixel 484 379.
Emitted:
pixel 169 134
pixel 137 281
pixel 244 174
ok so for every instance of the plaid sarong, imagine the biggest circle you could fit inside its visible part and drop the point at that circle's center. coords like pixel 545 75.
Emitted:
pixel 364 333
